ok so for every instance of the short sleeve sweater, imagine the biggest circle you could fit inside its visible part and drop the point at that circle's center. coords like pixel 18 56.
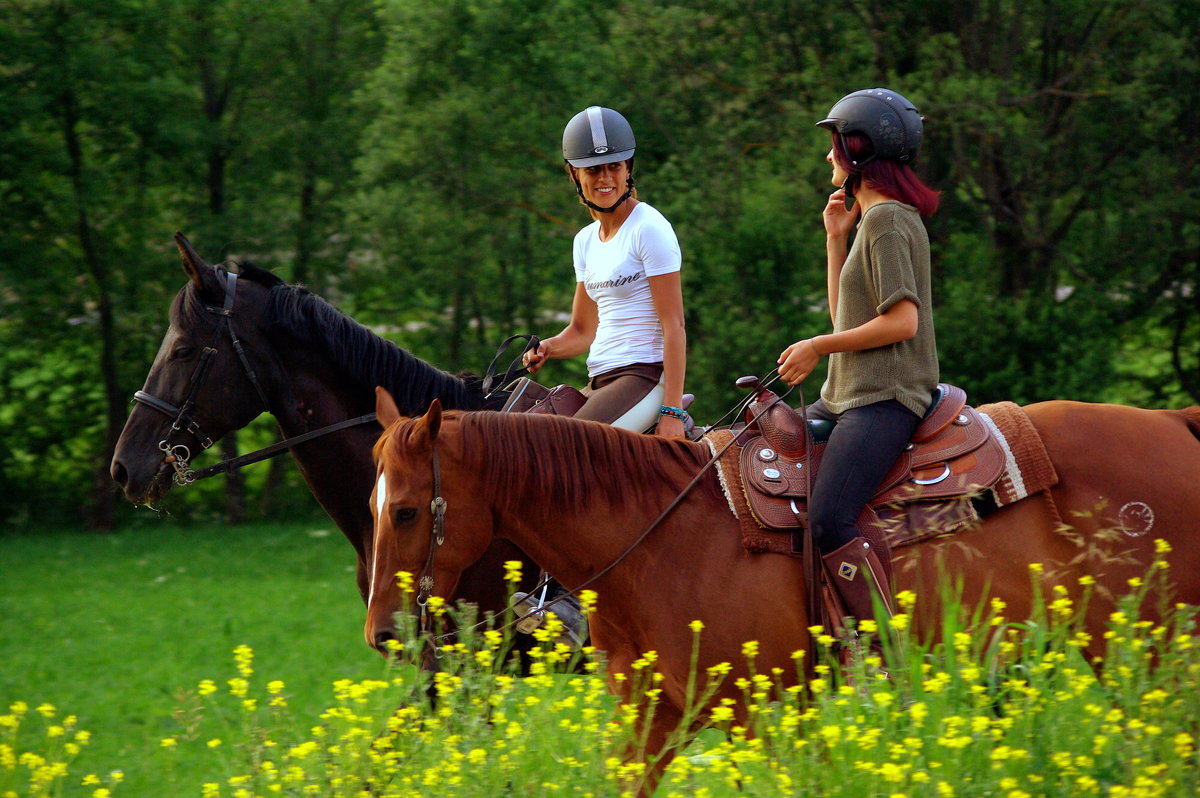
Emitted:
pixel 888 262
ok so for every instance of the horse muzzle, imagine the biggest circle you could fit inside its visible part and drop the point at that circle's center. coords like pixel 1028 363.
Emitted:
pixel 142 488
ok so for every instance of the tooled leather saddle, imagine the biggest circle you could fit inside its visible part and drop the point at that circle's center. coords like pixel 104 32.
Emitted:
pixel 953 453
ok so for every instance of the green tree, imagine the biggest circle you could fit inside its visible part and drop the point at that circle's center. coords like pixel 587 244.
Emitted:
pixel 81 180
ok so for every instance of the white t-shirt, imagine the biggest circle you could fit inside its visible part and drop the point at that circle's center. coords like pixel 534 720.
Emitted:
pixel 614 275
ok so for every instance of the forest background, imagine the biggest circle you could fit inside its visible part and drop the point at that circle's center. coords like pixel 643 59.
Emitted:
pixel 402 159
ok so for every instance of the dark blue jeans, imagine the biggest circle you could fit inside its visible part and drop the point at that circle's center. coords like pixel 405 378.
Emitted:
pixel 864 444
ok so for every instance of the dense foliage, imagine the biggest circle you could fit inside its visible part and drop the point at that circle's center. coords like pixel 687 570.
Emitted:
pixel 401 157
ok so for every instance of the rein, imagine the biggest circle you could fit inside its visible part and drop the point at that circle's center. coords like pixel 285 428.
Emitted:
pixel 274 450
pixel 439 531
pixel 492 385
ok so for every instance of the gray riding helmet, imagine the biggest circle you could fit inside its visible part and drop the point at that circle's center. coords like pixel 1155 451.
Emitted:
pixel 892 123
pixel 597 135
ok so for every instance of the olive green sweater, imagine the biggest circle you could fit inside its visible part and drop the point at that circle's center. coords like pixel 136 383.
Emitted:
pixel 888 262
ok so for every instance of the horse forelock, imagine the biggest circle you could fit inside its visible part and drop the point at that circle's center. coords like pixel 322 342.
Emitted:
pixel 187 309
pixel 528 461
pixel 365 357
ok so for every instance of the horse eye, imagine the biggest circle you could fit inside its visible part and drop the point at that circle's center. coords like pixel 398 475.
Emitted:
pixel 405 514
pixel 181 352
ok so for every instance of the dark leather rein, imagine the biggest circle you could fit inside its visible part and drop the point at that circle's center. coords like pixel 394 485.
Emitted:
pixel 178 455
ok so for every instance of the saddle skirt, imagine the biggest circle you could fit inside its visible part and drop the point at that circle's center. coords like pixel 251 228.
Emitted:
pixel 962 462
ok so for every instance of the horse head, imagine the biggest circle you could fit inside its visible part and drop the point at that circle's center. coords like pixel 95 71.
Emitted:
pixel 205 379
pixel 410 508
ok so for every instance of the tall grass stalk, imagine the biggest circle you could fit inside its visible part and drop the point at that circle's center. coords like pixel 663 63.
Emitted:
pixel 995 707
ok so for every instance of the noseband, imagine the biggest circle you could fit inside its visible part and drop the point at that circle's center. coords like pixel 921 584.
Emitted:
pixel 178 455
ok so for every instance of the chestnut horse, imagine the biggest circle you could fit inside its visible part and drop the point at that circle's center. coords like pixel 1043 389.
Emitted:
pixel 307 364
pixel 577 496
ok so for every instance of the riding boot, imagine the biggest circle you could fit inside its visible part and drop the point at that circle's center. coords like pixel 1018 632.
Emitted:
pixel 531 615
pixel 855 574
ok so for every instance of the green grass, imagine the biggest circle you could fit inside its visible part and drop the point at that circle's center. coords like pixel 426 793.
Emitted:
pixel 135 635
pixel 112 628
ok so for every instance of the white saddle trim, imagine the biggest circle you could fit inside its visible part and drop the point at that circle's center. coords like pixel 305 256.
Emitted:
pixel 643 416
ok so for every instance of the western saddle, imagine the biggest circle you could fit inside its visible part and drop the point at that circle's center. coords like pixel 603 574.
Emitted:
pixel 953 454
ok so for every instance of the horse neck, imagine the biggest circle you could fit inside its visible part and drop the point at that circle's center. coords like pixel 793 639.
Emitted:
pixel 312 391
pixel 575 543
pixel 337 467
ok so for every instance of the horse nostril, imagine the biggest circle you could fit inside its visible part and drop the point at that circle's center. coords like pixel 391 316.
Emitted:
pixel 383 638
pixel 118 472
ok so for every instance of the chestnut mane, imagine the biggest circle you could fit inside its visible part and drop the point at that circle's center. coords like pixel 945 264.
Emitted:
pixel 538 458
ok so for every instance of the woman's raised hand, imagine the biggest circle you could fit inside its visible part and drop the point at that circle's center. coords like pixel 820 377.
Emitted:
pixel 838 220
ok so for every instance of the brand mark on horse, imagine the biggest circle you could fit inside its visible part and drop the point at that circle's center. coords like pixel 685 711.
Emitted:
pixel 1136 519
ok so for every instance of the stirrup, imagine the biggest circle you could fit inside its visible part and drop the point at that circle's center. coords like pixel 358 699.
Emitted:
pixel 531 616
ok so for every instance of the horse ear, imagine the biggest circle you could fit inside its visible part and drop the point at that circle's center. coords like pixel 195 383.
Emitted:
pixel 193 265
pixel 385 407
pixel 433 418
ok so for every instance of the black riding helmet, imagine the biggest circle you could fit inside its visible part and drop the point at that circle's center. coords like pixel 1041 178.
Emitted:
pixel 891 122
pixel 596 136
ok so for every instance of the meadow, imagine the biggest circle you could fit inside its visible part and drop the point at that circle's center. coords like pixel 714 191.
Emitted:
pixel 214 662
pixel 116 629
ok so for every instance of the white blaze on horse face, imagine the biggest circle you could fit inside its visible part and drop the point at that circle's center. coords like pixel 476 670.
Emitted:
pixel 380 495
pixel 381 502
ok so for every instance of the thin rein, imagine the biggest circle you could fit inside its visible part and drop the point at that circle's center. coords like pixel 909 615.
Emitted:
pixel 661 516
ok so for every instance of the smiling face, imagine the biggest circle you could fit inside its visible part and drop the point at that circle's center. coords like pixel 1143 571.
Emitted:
pixel 604 184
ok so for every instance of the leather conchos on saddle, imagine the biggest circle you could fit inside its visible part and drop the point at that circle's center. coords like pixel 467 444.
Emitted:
pixel 962 458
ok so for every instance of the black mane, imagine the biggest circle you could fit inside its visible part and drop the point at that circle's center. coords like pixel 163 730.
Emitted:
pixel 365 357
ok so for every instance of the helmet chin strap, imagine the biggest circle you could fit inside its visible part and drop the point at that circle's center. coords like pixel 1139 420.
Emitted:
pixel 848 187
pixel 610 208
pixel 848 183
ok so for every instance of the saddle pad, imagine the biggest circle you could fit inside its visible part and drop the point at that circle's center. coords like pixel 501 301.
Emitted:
pixel 1027 470
pixel 1027 466
pixel 755 537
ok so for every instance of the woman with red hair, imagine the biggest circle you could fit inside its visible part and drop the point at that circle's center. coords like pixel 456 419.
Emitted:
pixel 883 365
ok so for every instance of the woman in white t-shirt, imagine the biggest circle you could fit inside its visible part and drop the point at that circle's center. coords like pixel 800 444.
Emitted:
pixel 627 314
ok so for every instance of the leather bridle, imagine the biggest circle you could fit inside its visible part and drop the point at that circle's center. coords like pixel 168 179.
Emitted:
pixel 437 533
pixel 177 454
pixel 437 536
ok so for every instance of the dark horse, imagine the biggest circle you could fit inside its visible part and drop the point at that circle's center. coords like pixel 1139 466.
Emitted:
pixel 280 349
pixel 577 495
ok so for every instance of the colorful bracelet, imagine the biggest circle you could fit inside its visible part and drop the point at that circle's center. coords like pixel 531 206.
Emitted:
pixel 676 412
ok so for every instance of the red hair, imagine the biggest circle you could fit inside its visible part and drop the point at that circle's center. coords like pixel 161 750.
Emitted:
pixel 892 179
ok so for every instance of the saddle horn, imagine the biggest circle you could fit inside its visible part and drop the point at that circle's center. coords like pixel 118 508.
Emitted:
pixel 778 422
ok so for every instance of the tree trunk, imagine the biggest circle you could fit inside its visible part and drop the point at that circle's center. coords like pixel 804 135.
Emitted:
pixel 103 504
